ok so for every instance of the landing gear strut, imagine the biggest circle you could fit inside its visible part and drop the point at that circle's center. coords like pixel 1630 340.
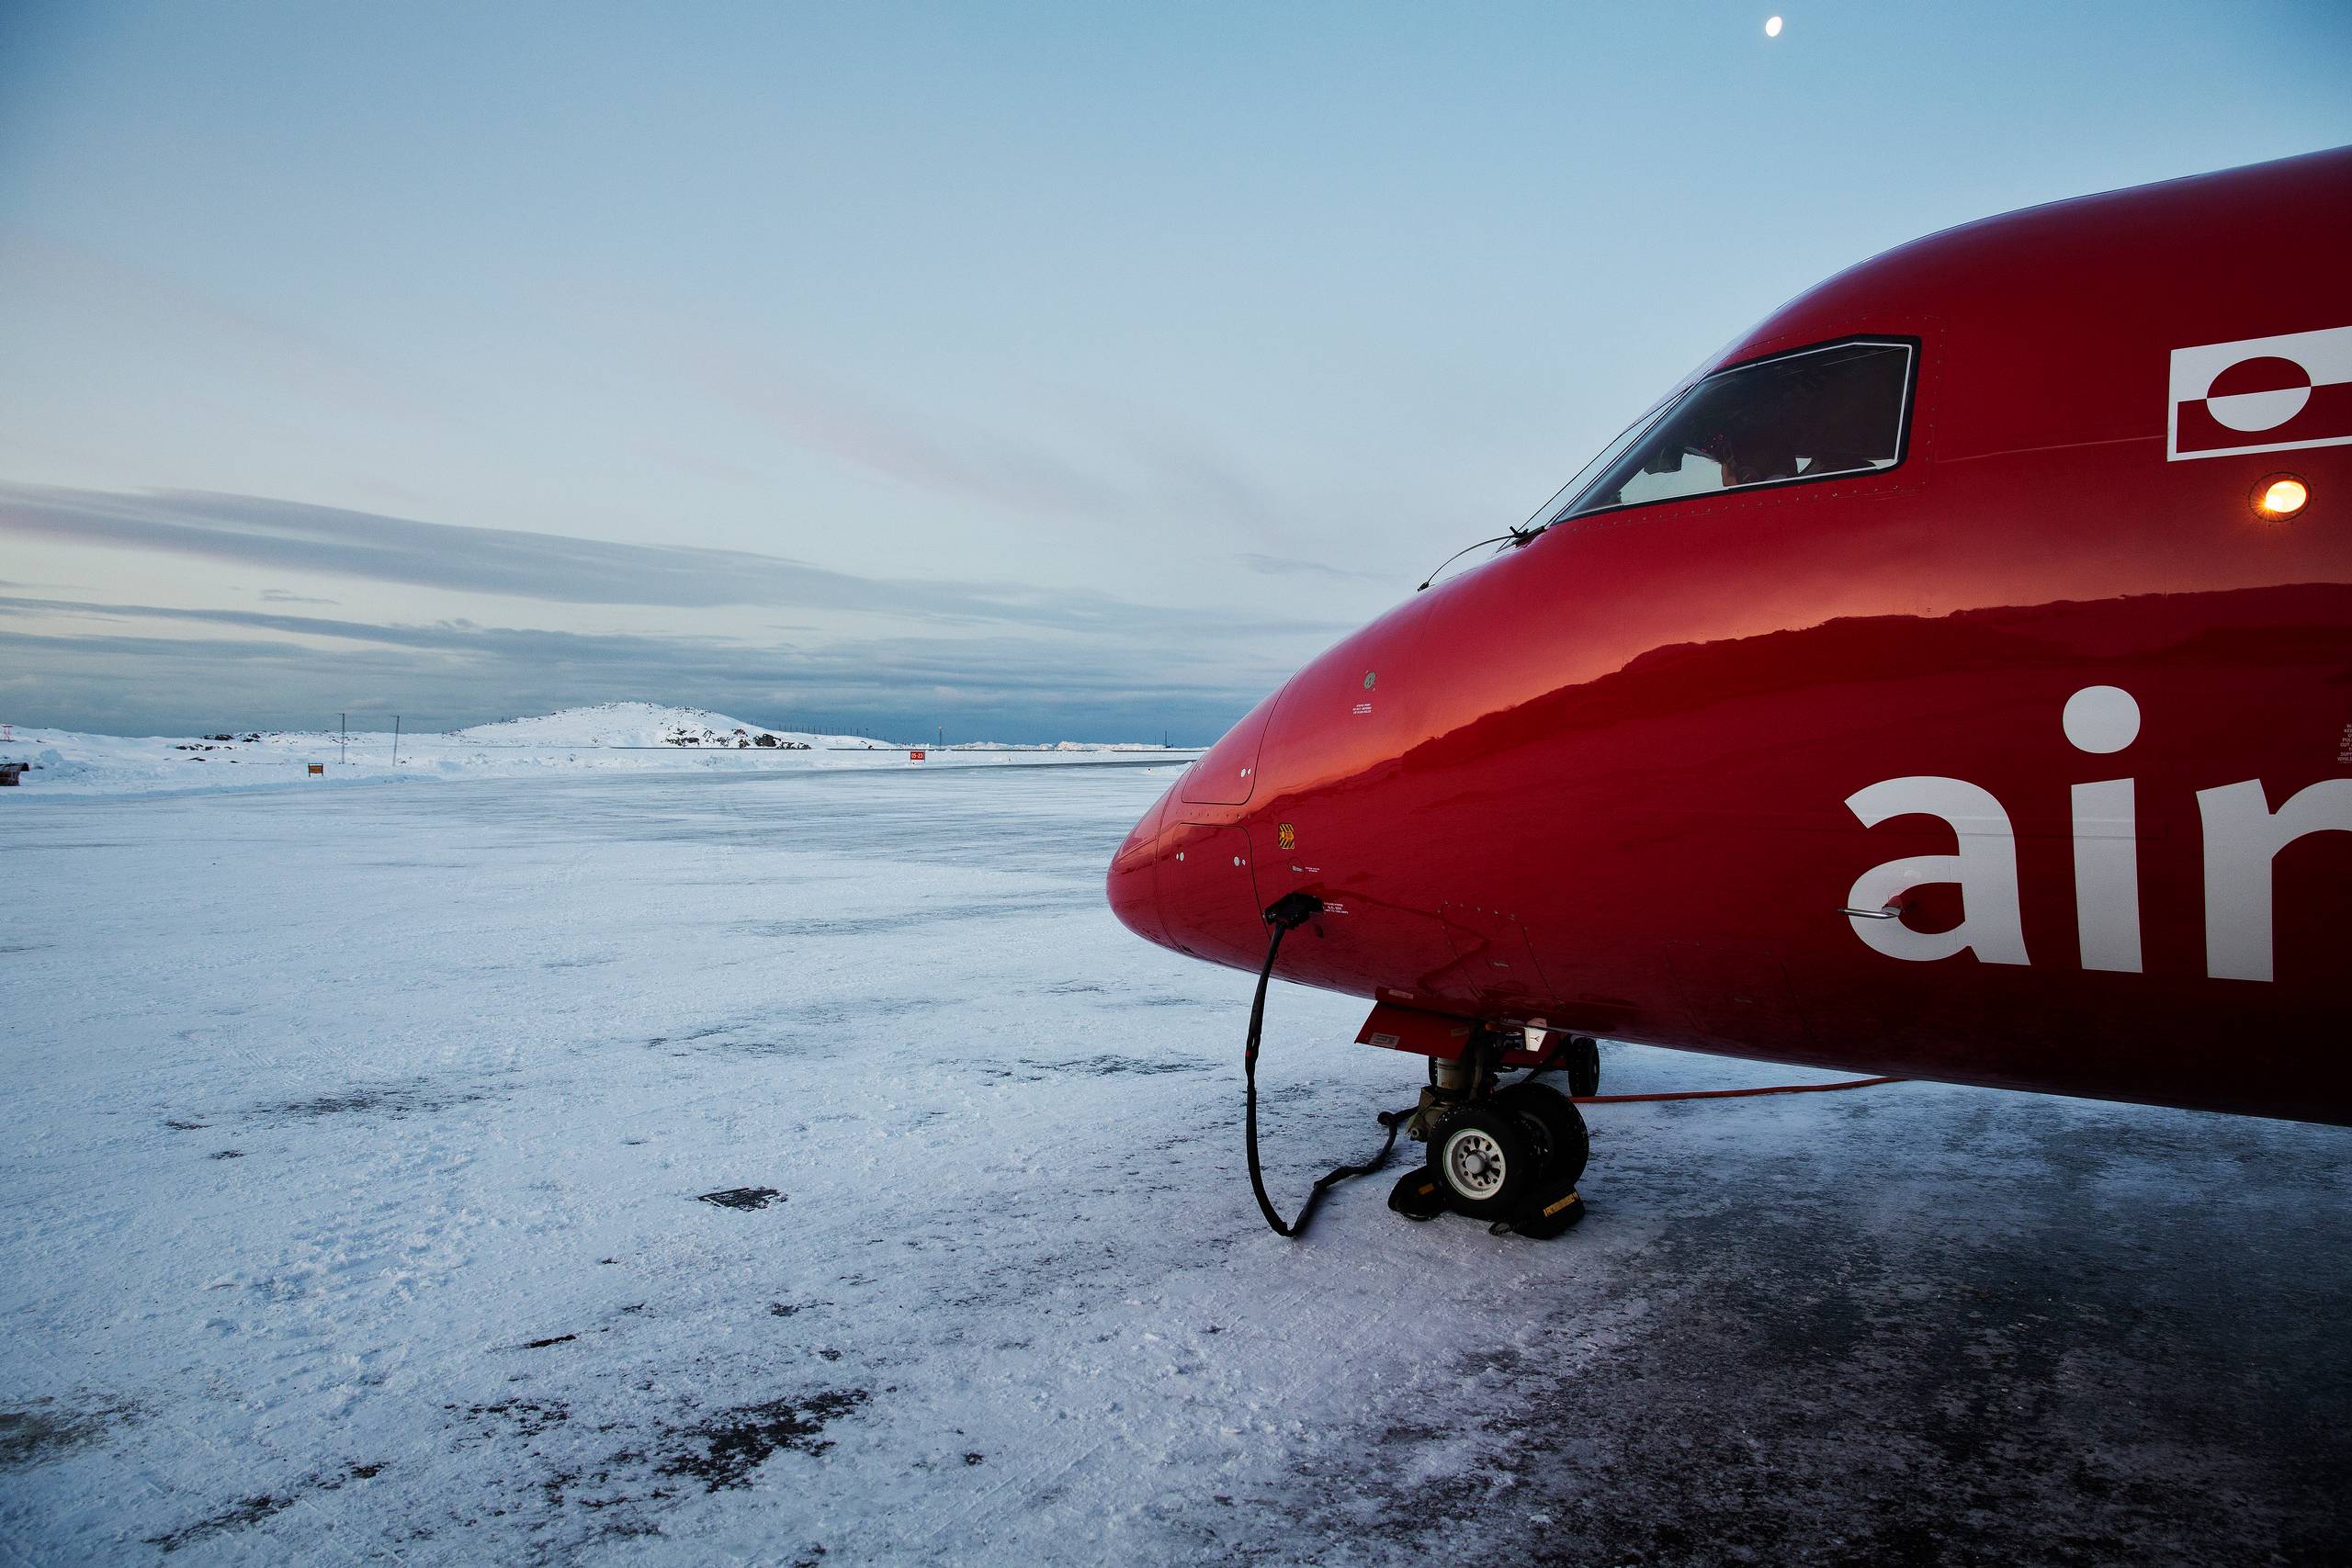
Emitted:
pixel 1510 1155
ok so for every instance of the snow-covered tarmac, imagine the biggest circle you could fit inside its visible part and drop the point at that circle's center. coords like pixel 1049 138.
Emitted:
pixel 349 1212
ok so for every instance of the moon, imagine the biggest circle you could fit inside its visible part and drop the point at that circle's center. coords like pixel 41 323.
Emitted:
pixel 1773 27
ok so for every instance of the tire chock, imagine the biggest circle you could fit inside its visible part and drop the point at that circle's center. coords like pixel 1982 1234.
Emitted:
pixel 1546 1215
pixel 1418 1195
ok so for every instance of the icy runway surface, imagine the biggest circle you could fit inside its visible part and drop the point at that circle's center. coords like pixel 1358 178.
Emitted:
pixel 351 1211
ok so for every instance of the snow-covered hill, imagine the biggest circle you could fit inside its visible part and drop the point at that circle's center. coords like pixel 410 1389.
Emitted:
pixel 608 738
pixel 645 724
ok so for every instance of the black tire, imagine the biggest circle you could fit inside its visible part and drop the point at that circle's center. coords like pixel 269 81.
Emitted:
pixel 1584 1066
pixel 1555 1126
pixel 1485 1159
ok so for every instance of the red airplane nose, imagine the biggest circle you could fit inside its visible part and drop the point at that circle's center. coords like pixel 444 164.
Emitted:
pixel 1186 878
pixel 1132 884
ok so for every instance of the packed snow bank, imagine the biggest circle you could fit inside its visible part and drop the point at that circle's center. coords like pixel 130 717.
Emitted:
pixel 1055 746
pixel 609 738
pixel 644 724
pixel 653 1171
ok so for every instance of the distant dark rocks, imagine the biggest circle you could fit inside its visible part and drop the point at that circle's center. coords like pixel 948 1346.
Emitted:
pixel 392 1099
pixel 723 1451
pixel 746 1198
pixel 511 1418
pixel 45 1430
pixel 247 1512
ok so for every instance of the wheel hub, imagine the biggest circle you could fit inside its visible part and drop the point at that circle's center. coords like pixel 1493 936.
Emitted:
pixel 1474 1162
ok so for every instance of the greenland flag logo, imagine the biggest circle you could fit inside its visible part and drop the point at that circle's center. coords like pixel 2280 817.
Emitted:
pixel 2261 394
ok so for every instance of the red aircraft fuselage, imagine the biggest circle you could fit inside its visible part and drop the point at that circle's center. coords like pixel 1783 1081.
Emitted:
pixel 1922 689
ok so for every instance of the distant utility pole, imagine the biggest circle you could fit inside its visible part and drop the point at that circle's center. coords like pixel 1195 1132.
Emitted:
pixel 396 740
pixel 343 745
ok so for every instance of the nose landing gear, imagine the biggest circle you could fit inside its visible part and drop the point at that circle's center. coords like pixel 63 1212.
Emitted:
pixel 1511 1155
pixel 1484 1156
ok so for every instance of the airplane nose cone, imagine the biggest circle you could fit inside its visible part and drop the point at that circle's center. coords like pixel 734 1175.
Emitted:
pixel 1132 884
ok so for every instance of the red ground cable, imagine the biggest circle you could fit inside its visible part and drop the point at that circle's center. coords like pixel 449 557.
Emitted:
pixel 1733 1093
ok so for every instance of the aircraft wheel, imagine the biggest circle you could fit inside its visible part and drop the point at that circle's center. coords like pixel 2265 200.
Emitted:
pixel 1485 1158
pixel 1584 1066
pixel 1554 1126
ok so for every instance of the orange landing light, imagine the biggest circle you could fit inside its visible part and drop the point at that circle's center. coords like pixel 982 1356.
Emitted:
pixel 2280 497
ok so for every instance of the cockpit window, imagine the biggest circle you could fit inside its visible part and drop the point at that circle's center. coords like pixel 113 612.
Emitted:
pixel 1841 408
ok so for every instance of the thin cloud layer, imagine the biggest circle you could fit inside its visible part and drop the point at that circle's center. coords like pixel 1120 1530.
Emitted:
pixel 903 654
pixel 294 537
pixel 452 674
pixel 1290 566
pixel 863 434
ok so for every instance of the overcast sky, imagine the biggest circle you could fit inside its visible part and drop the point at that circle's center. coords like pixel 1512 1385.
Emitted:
pixel 1037 371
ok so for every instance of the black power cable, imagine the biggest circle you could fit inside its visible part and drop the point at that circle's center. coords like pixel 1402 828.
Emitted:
pixel 1285 915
